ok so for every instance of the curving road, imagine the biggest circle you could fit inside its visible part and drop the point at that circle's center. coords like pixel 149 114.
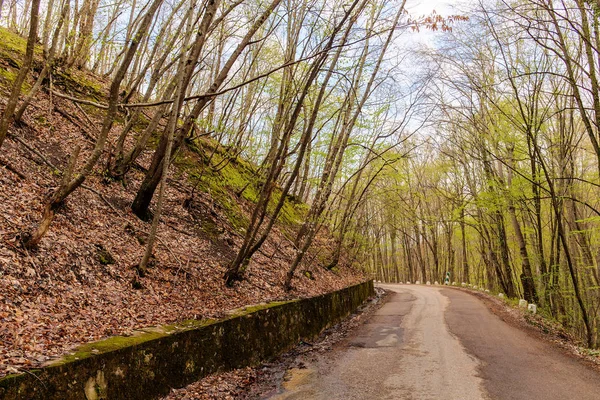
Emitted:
pixel 438 343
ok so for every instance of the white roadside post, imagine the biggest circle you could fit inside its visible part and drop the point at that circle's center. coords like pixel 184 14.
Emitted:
pixel 532 308
pixel 522 303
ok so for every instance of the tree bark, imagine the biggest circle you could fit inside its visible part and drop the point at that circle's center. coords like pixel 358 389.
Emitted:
pixel 76 180
pixel 11 105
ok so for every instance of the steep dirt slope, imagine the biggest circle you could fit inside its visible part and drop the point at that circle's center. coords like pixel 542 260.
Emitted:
pixel 81 284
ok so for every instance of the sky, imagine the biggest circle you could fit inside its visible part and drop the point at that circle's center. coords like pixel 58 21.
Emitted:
pixel 420 7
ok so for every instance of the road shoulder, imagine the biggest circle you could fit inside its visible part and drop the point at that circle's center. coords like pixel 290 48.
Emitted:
pixel 267 379
pixel 516 364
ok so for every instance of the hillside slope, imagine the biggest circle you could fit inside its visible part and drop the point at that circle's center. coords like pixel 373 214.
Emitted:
pixel 81 284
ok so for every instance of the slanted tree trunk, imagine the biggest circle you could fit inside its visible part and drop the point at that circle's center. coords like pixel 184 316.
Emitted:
pixel 146 191
pixel 276 158
pixel 529 290
pixel 47 22
pixel 9 112
pixel 72 181
pixel 119 161
pixel 336 152
pixel 163 182
pixel 83 45
pixel 47 66
pixel 463 233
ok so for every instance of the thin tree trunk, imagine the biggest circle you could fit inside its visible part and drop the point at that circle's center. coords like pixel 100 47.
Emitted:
pixel 8 115
pixel 163 182
pixel 146 192
pixel 69 185
pixel 47 67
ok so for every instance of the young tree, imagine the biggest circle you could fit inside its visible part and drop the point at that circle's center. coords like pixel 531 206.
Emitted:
pixel 71 179
pixel 8 115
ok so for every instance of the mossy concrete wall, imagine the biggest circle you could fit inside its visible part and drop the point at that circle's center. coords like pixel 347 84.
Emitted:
pixel 148 365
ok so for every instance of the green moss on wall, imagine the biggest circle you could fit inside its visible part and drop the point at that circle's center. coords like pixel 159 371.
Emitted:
pixel 147 365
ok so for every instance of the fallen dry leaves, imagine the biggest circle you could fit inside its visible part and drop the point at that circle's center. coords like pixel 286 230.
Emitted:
pixel 62 295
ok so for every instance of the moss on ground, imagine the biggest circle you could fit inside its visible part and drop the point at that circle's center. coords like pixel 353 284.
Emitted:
pixel 292 213
pixel 84 84
pixel 106 345
pixel 13 46
pixel 227 177
pixel 7 77
pixel 12 51
pixel 147 334
pixel 257 307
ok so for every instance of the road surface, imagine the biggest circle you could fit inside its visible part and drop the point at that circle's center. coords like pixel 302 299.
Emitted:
pixel 438 343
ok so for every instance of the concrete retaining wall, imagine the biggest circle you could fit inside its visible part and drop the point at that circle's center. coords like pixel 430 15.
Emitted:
pixel 149 364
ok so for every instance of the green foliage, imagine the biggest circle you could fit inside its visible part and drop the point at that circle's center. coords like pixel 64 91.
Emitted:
pixel 225 177
pixel 12 51
pixel 12 47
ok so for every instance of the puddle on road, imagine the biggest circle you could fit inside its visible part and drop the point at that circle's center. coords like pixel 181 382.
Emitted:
pixel 297 384
pixel 381 336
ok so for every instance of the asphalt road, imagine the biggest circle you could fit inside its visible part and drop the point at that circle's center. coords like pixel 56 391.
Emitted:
pixel 434 343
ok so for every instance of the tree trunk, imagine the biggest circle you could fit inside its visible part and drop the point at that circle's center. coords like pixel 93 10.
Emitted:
pixel 72 183
pixel 11 105
pixel 146 192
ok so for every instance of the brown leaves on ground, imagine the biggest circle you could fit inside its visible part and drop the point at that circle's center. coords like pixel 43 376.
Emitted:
pixel 77 287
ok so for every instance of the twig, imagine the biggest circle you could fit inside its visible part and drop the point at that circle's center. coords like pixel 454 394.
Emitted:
pixel 76 100
pixel 34 151
pixel 87 117
pixel 12 169
pixel 194 97
pixel 178 229
pixel 166 247
pixel 34 375
pixel 91 189
pixel 51 88
pixel 31 259
pixel 9 221
pixel 90 137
